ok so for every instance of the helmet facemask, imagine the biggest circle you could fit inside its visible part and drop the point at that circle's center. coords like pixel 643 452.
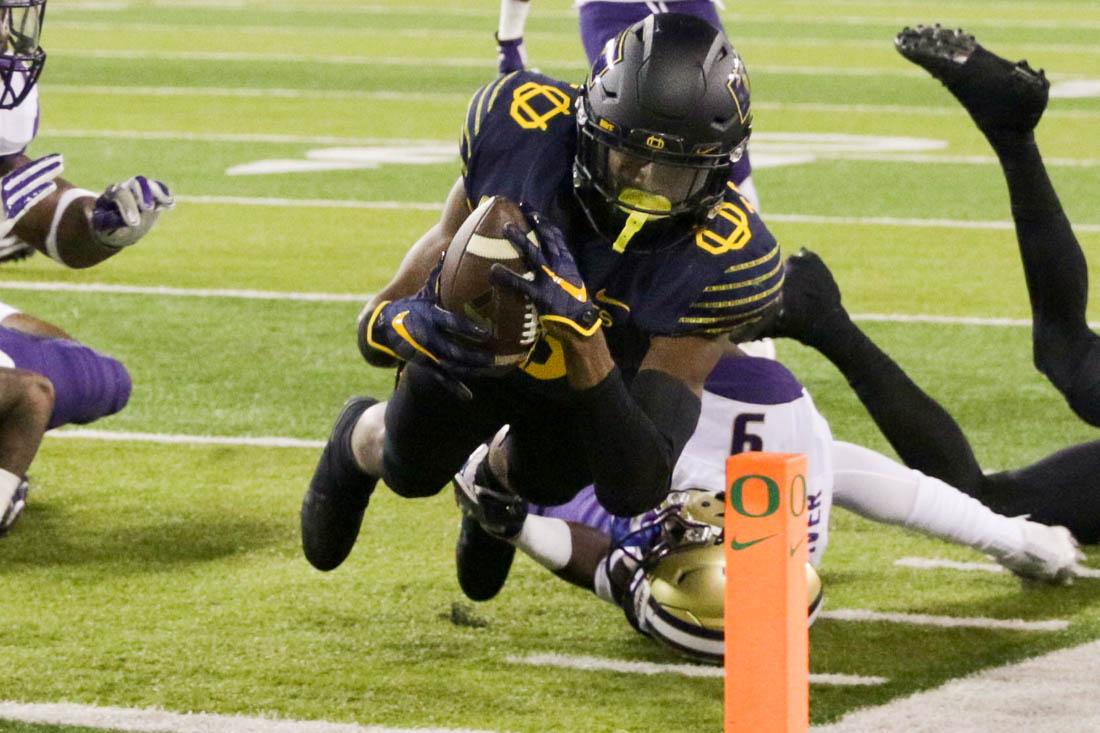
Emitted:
pixel 21 56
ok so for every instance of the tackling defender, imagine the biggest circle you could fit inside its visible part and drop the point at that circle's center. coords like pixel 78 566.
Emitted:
pixel 649 261
pixel 1006 101
pixel 73 226
pixel 665 568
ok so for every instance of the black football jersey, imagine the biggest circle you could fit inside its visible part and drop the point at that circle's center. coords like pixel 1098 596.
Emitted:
pixel 519 141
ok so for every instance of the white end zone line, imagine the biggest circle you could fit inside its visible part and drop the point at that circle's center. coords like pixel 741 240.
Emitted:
pixel 151 720
pixel 937 563
pixel 598 664
pixel 946 622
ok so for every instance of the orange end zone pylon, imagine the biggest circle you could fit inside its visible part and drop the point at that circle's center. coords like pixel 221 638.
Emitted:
pixel 767 638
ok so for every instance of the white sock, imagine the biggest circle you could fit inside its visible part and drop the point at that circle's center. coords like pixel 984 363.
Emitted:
pixel 513 18
pixel 9 482
pixel 547 540
pixel 878 488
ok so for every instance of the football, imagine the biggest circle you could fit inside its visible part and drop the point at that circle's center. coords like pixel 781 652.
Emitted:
pixel 464 285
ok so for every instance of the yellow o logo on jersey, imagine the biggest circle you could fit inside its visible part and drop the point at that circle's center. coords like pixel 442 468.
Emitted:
pixel 534 104
pixel 738 237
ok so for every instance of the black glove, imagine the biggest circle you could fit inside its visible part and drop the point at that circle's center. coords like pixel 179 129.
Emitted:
pixel 557 291
pixel 416 329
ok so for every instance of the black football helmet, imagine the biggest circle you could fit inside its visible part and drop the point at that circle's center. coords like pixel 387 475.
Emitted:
pixel 21 58
pixel 661 119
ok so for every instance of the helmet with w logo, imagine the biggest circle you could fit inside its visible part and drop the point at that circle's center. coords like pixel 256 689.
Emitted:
pixel 21 56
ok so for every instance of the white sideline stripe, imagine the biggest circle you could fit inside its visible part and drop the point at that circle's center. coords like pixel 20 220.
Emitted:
pixel 1053 693
pixel 937 563
pixel 149 720
pixel 947 622
pixel 945 110
pixel 167 291
pixel 599 664
pixel 176 439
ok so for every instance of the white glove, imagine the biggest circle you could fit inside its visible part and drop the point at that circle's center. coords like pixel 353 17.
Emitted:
pixel 27 185
pixel 127 210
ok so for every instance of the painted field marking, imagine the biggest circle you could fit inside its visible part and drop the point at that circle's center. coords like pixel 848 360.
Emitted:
pixel 774 217
pixel 880 156
pixel 172 292
pixel 599 664
pixel 1052 693
pixel 459 98
pixel 77 6
pixel 246 294
pixel 179 439
pixel 946 622
pixel 936 563
pixel 152 720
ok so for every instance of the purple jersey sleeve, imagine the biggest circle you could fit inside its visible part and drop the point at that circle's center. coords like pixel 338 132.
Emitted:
pixel 87 385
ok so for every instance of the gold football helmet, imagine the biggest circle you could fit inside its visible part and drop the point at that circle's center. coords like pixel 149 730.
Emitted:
pixel 679 595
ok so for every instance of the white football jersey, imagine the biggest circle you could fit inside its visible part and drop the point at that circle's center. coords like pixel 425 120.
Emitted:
pixel 753 404
pixel 19 126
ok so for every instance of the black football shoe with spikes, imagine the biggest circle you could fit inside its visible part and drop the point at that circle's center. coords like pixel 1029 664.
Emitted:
pixel 490 514
pixel 333 506
pixel 1001 96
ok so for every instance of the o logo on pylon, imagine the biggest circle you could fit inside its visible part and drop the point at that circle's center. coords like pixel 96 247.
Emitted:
pixel 534 104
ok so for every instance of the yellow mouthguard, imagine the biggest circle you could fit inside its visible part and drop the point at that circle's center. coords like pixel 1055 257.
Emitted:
pixel 633 199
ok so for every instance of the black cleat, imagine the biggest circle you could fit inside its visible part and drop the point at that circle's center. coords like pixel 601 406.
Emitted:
pixel 483 561
pixel 338 493
pixel 14 250
pixel 15 508
pixel 810 297
pixel 489 513
pixel 1001 96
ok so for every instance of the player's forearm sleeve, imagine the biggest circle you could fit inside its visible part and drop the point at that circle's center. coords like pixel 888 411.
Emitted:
pixel 633 437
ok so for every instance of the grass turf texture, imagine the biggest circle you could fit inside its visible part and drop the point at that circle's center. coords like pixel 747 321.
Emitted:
pixel 170 576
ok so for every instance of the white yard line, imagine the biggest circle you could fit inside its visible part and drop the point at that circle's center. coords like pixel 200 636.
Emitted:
pixel 223 137
pixel 600 664
pixel 177 439
pixel 151 720
pixel 244 137
pixel 945 110
pixel 936 563
pixel 247 294
pixel 946 622
pixel 164 290
pixel 251 92
pixel 1054 693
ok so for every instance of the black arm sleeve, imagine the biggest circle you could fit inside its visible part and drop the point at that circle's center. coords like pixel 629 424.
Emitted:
pixel 633 438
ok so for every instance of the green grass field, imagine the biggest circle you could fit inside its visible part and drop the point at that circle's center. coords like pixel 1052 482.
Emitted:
pixel 170 575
